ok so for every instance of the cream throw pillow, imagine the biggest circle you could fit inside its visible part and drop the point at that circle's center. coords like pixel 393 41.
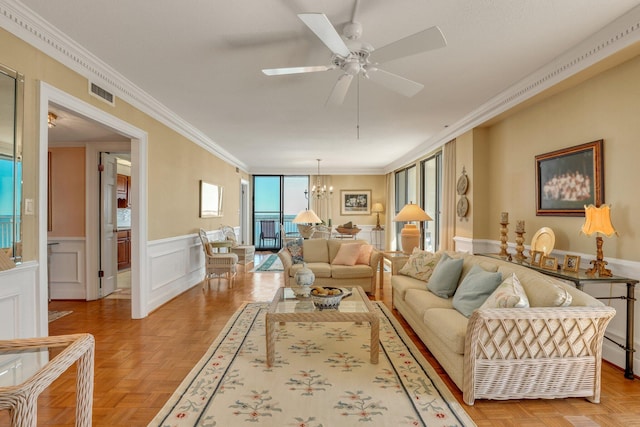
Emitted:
pixel 420 265
pixel 509 294
pixel 347 254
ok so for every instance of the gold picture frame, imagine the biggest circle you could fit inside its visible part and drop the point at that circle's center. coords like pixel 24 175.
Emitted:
pixel 536 257
pixel 571 263
pixel 549 263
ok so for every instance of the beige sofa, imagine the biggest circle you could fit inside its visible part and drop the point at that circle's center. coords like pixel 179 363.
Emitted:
pixel 544 351
pixel 318 255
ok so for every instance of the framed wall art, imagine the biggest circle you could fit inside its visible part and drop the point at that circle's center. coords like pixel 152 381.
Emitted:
pixel 355 202
pixel 549 263
pixel 569 179
pixel 210 200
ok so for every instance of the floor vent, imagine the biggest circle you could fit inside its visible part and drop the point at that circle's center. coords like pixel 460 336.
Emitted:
pixel 102 94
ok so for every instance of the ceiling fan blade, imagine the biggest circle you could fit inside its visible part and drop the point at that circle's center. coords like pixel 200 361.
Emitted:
pixel 294 70
pixel 394 82
pixel 429 39
pixel 339 90
pixel 322 27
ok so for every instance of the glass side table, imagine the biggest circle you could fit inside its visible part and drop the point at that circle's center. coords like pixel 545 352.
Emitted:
pixel 25 371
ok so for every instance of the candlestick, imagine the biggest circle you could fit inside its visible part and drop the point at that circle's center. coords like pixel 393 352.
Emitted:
pixel 503 236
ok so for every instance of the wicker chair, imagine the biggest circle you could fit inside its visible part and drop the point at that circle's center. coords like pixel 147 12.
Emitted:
pixel 320 232
pixel 217 264
pixel 245 253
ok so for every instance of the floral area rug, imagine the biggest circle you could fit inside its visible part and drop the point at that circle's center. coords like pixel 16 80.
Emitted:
pixel 321 377
pixel 55 315
pixel 270 263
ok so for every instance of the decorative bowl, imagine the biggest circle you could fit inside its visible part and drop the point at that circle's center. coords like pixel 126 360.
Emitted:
pixel 327 302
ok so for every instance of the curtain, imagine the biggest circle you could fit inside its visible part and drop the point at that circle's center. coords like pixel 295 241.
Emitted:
pixel 448 217
pixel 390 235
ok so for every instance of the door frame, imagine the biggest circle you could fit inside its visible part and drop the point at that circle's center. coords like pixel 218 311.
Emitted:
pixel 139 147
pixel 245 216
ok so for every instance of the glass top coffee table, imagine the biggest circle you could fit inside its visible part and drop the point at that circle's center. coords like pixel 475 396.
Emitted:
pixel 286 307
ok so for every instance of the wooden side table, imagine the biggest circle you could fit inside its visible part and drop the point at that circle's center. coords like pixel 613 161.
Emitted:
pixel 397 259
pixel 20 396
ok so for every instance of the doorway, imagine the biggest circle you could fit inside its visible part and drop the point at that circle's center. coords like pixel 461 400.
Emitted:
pixel 51 96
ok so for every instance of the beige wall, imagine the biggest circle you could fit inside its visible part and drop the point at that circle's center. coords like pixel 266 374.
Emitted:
pixel 375 183
pixel 603 107
pixel 67 191
pixel 175 164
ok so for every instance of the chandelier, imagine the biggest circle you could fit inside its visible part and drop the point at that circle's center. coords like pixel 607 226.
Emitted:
pixel 319 191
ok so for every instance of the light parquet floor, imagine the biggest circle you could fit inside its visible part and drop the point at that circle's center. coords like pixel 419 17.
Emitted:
pixel 139 363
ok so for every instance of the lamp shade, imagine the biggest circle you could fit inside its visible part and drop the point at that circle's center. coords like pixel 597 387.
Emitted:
pixel 377 208
pixel 307 216
pixel 598 220
pixel 412 212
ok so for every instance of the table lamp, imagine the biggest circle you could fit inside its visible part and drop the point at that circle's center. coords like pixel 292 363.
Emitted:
pixel 598 221
pixel 410 234
pixel 305 220
pixel 377 208
pixel 307 216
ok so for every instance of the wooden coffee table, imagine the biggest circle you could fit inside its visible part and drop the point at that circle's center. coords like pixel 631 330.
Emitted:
pixel 285 307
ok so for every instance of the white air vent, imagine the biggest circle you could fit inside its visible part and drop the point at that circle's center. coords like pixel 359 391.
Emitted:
pixel 102 94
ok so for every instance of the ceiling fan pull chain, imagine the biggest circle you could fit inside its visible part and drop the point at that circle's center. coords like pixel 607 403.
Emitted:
pixel 358 109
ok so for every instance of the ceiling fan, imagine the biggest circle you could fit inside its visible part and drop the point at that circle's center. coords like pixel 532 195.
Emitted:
pixel 354 57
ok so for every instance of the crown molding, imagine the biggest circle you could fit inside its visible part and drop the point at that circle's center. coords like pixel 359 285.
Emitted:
pixel 25 24
pixel 613 38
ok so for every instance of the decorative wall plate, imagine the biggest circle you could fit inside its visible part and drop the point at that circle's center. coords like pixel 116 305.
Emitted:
pixel 543 241
pixel 463 206
pixel 463 184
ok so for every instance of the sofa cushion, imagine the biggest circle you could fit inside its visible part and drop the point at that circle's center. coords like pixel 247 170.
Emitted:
pixel 294 246
pixel 347 254
pixel 453 335
pixel 365 254
pixel 357 271
pixel 420 264
pixel 474 289
pixel 401 284
pixel 542 291
pixel 421 300
pixel 315 250
pixel 334 245
pixel 509 294
pixel 320 269
pixel 444 279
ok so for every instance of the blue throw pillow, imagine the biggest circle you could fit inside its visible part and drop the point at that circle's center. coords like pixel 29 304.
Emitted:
pixel 474 290
pixel 445 276
pixel 294 247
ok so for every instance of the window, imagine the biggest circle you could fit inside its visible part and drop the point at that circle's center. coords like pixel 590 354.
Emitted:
pixel 405 192
pixel 431 169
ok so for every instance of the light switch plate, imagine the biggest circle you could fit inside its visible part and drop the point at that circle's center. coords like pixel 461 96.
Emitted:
pixel 28 206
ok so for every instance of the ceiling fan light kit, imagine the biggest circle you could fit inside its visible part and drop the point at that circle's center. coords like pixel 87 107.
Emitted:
pixel 357 58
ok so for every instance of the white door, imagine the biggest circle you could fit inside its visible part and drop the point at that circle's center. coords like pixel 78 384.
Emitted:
pixel 108 225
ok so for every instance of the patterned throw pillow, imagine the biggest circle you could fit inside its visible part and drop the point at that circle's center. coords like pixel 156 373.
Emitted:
pixel 509 294
pixel 420 265
pixel 294 247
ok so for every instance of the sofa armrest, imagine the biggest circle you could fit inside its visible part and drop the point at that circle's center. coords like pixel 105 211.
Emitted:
pixel 374 261
pixel 505 348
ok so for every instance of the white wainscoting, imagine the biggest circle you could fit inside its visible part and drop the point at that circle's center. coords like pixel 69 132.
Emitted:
pixel 21 306
pixel 618 326
pixel 67 268
pixel 175 265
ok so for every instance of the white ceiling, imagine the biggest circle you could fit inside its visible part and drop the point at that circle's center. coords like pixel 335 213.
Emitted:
pixel 202 60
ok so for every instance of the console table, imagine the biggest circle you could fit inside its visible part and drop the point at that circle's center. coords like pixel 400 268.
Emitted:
pixel 581 278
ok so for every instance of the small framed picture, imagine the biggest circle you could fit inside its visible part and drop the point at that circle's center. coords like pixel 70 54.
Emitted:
pixel 536 257
pixel 571 263
pixel 549 263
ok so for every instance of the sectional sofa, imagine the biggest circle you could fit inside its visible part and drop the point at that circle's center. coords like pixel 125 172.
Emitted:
pixel 545 344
